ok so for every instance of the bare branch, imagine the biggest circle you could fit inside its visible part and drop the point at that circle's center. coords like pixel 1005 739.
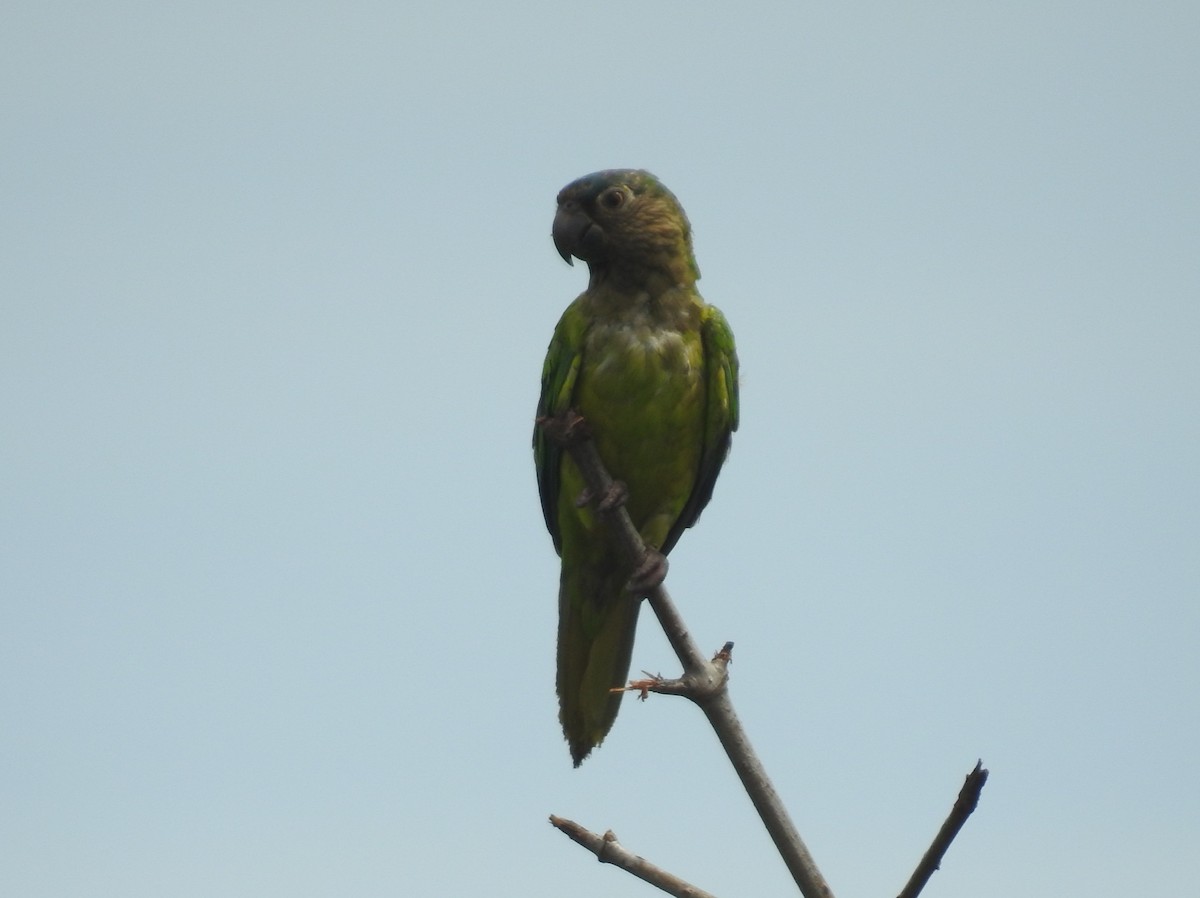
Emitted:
pixel 609 851
pixel 705 683
pixel 968 800
pixel 714 701
pixel 709 677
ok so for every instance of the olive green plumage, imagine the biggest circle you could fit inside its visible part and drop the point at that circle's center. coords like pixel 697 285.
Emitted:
pixel 653 369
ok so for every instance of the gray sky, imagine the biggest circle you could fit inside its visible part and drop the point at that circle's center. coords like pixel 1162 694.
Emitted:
pixel 277 607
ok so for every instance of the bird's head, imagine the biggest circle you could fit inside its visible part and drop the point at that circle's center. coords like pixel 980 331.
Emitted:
pixel 627 226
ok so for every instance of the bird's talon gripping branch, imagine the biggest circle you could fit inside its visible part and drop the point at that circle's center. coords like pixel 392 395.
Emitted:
pixel 610 500
pixel 649 574
pixel 614 497
pixel 564 429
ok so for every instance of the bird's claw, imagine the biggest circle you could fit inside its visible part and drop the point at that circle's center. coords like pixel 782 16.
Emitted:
pixel 610 500
pixel 649 573
pixel 566 428
pixel 614 497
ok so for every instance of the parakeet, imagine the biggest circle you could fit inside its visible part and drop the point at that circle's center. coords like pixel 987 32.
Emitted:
pixel 652 368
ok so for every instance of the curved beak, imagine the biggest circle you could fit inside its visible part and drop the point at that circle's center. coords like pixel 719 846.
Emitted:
pixel 570 227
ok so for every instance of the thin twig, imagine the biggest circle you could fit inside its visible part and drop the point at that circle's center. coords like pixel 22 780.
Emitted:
pixel 609 851
pixel 968 800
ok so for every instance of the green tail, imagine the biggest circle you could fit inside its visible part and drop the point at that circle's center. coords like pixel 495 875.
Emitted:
pixel 597 620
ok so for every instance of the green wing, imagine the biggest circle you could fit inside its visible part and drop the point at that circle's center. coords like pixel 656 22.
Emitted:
pixel 720 417
pixel 559 373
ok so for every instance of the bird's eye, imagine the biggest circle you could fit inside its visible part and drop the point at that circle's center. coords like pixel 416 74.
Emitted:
pixel 613 199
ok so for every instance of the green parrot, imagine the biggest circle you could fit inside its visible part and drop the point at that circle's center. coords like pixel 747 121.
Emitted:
pixel 652 368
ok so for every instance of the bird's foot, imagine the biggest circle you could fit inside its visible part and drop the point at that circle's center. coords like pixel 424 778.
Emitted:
pixel 614 497
pixel 566 428
pixel 610 500
pixel 649 573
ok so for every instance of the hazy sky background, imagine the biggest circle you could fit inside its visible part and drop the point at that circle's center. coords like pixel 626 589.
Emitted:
pixel 277 607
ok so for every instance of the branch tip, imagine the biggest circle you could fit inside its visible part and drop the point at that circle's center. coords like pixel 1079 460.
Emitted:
pixel 964 806
pixel 608 850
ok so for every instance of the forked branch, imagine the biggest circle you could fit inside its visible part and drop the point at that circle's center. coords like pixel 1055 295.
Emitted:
pixel 704 681
pixel 709 677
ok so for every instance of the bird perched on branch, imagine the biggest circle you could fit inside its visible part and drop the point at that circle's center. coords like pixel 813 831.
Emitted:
pixel 652 370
